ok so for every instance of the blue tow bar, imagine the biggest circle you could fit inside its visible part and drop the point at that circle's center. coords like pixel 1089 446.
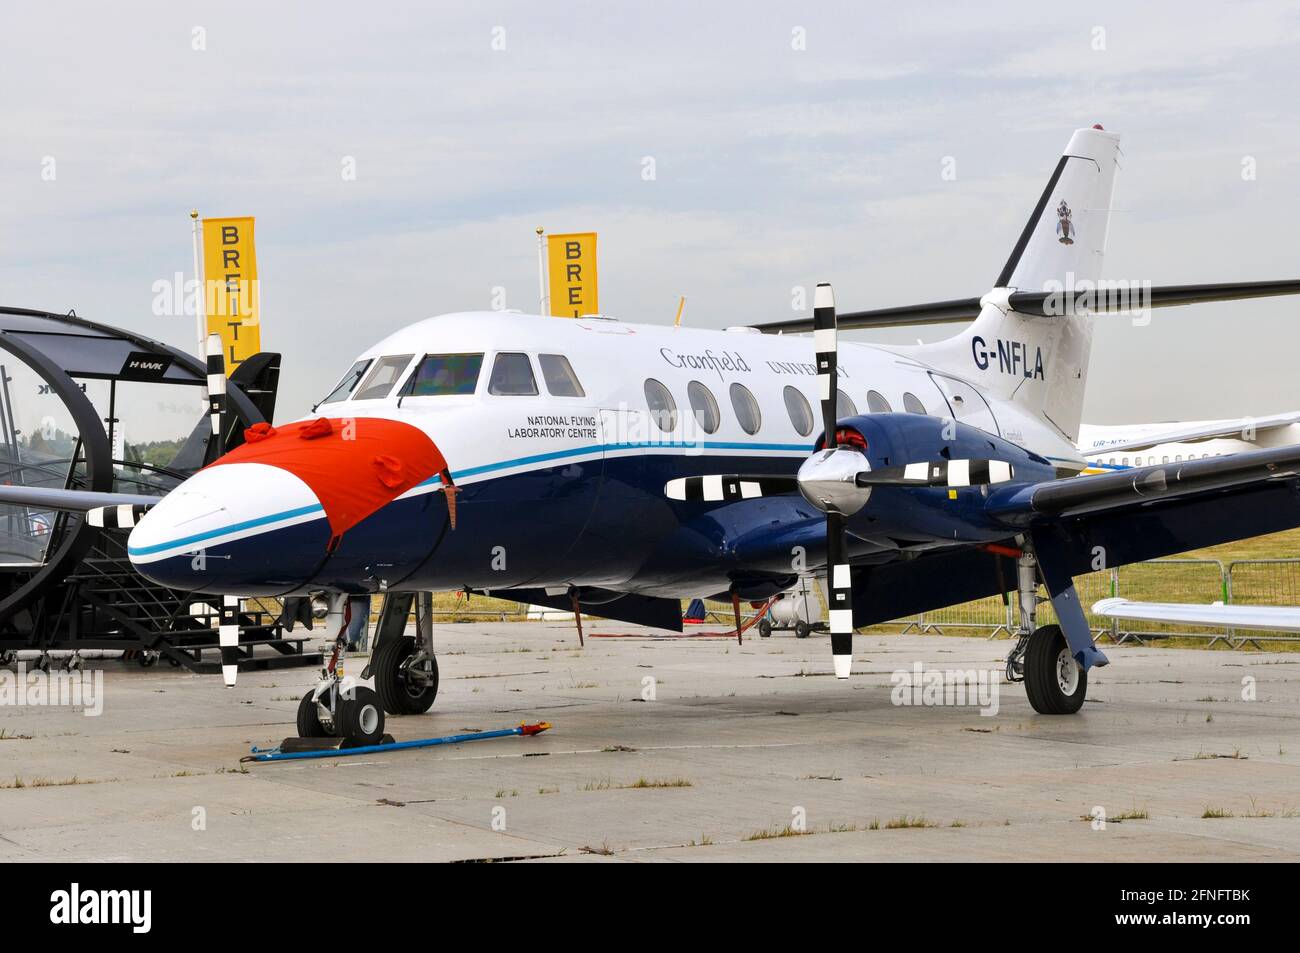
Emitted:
pixel 275 754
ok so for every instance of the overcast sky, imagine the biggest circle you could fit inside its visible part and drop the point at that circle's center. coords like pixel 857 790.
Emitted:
pixel 774 167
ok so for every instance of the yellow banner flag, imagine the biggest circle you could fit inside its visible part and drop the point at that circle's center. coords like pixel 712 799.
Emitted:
pixel 232 301
pixel 571 261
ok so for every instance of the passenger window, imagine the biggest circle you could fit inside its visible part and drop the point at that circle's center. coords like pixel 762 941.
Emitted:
pixel 876 403
pixel 350 380
pixel 559 376
pixel 663 409
pixel 703 406
pixel 512 376
pixel 912 404
pixel 797 406
pixel 440 375
pixel 384 377
pixel 844 406
pixel 746 408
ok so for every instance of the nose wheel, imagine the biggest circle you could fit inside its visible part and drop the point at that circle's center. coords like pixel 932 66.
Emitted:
pixel 328 711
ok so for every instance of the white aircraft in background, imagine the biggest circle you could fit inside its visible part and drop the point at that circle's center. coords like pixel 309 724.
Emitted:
pixel 1122 447
pixel 1109 448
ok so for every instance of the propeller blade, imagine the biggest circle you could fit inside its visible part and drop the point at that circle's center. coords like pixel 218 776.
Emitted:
pixel 950 473
pixel 717 488
pixel 228 633
pixel 826 345
pixel 839 585
pixel 122 516
pixel 216 390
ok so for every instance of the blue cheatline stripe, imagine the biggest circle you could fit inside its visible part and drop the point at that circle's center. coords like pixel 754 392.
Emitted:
pixel 233 528
pixel 475 471
pixel 607 447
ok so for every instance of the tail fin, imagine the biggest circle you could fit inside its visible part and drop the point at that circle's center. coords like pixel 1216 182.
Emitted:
pixel 1041 363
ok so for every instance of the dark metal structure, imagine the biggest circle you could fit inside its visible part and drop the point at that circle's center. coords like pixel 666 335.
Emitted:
pixel 68 586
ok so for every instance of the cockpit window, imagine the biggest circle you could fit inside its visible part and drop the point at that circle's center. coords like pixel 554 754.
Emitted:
pixel 512 376
pixel 380 381
pixel 349 381
pixel 559 376
pixel 440 375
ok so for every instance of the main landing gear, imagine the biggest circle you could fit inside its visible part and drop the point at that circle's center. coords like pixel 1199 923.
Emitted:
pixel 1055 683
pixel 405 667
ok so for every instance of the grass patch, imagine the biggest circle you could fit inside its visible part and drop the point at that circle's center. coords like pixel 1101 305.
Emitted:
pixel 19 782
pixel 1215 812
pixel 658 783
pixel 908 821
pixel 772 833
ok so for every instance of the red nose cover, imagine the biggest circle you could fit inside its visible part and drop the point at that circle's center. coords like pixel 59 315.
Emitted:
pixel 354 465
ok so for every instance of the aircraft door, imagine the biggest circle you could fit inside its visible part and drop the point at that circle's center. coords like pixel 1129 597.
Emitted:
pixel 966 403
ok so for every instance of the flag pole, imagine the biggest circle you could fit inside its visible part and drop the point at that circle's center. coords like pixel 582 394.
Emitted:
pixel 541 271
pixel 200 293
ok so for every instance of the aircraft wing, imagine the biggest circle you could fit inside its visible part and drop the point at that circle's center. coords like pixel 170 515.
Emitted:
pixel 77 501
pixel 1081 524
pixel 1141 486
pixel 1218 615
pixel 1203 430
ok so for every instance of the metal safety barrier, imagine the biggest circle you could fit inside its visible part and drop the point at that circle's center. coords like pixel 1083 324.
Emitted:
pixel 1273 582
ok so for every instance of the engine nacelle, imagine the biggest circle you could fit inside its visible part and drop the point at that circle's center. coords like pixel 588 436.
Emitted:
pixel 896 440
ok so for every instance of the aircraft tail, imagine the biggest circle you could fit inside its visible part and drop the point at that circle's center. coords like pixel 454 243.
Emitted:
pixel 1040 361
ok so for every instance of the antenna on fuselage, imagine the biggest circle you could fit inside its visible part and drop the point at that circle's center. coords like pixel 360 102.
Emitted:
pixel 681 307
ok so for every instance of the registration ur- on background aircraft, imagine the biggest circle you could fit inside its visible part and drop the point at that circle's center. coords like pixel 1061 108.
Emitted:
pixel 1119 447
pixel 622 467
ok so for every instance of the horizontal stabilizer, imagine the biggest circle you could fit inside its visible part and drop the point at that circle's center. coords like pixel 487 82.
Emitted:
pixel 1105 299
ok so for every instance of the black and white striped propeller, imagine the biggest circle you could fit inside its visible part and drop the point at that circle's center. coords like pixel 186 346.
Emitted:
pixel 839 583
pixel 838 480
pixel 228 624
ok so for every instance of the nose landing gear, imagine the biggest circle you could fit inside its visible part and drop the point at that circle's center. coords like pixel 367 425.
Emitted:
pixel 338 708
pixel 335 710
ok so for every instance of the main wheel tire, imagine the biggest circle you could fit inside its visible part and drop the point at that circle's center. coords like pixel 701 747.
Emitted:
pixel 361 716
pixel 309 725
pixel 764 629
pixel 802 630
pixel 1054 682
pixel 399 695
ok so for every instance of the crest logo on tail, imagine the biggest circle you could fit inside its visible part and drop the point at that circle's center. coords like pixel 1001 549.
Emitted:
pixel 1064 226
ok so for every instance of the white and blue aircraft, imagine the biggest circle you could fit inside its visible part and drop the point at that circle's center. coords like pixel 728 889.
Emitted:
pixel 622 468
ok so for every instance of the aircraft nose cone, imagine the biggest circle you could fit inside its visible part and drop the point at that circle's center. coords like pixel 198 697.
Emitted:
pixel 243 528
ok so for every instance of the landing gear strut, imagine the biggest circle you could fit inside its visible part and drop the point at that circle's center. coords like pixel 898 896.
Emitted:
pixel 1054 682
pixel 336 707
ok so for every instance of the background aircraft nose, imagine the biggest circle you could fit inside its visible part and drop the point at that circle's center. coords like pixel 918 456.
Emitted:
pixel 242 528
